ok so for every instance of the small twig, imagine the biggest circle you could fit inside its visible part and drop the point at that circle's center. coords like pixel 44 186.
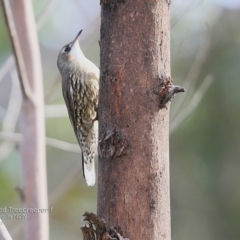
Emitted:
pixel 169 95
pixel 26 90
pixel 165 90
pixel 4 234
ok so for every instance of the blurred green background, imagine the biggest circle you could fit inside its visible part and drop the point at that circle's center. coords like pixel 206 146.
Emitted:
pixel 204 143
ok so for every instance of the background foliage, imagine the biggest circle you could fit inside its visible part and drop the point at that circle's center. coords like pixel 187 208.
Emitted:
pixel 204 143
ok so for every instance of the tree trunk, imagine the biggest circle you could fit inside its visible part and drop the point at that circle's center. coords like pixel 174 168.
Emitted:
pixel 33 148
pixel 133 185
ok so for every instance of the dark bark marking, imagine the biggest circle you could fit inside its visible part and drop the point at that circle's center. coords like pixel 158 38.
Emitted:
pixel 168 2
pixel 152 204
pixel 20 192
pixel 113 144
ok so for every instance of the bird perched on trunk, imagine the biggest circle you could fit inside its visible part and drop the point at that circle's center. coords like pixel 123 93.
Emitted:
pixel 80 86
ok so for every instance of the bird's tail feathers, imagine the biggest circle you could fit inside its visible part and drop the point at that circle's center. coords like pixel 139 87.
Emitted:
pixel 89 171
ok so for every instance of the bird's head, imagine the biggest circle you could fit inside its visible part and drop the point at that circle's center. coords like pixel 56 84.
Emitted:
pixel 70 52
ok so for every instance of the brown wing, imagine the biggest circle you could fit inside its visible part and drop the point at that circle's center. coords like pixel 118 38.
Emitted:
pixel 68 97
pixel 81 98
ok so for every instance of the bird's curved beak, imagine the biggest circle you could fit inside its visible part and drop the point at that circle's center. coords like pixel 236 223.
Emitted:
pixel 76 38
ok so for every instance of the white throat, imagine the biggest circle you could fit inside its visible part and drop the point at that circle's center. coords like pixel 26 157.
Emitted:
pixel 76 51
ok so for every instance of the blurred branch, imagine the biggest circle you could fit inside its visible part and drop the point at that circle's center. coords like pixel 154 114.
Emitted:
pixel 63 187
pixel 45 13
pixel 17 51
pixel 196 99
pixel 10 136
pixel 11 115
pixel 56 194
pixel 199 60
pixel 47 10
pixel 182 12
pixel 193 73
pixel 63 145
pixel 2 112
pixel 6 67
pixel 52 142
pixel 14 105
pixel 4 234
pixel 33 146
pixel 5 149
pixel 54 111
pixel 49 93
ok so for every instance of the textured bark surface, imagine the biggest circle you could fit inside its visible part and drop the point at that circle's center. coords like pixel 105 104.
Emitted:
pixel 133 185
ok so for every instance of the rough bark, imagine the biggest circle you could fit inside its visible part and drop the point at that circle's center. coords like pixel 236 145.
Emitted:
pixel 133 184
pixel 32 147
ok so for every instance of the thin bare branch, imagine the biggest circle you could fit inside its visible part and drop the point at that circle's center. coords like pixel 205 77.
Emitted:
pixel 5 149
pixel 180 13
pixel 6 67
pixel 51 142
pixel 63 145
pixel 2 112
pixel 63 187
pixel 193 73
pixel 43 16
pixel 198 61
pixel 183 12
pixel 11 115
pixel 10 136
pixel 9 63
pixel 55 111
pixel 33 145
pixel 49 93
pixel 14 105
pixel 4 234
pixel 196 99
pixel 54 195
pixel 17 51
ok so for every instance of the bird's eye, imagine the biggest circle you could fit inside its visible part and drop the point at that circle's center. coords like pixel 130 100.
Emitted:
pixel 67 49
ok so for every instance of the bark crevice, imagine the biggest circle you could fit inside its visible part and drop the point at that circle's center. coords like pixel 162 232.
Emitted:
pixel 113 144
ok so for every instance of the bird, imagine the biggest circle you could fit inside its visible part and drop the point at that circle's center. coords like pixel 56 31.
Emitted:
pixel 80 89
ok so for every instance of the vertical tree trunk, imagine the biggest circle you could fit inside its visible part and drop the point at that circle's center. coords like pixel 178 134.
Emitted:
pixel 33 150
pixel 133 185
